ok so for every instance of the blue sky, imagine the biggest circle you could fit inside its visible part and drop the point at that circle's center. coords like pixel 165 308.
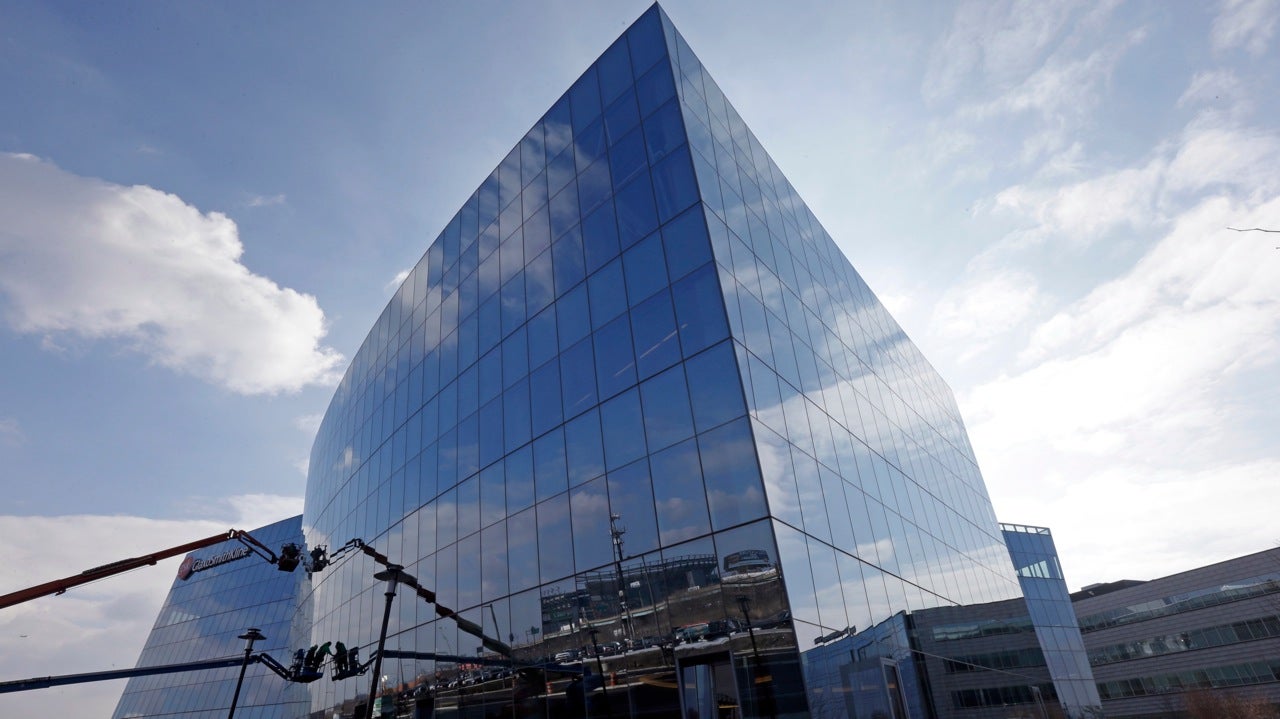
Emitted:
pixel 203 209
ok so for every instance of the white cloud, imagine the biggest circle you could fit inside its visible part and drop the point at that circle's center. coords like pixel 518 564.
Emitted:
pixel 11 432
pixel 1247 24
pixel 1172 519
pixel 997 42
pixel 398 280
pixel 1063 93
pixel 1006 66
pixel 309 423
pixel 1140 395
pixel 1224 155
pixel 1079 213
pixel 1213 153
pixel 256 510
pixel 266 200
pixel 101 625
pixel 973 313
pixel 104 261
pixel 1215 87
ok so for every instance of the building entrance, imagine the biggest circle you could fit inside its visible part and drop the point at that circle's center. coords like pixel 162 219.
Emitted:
pixel 708 689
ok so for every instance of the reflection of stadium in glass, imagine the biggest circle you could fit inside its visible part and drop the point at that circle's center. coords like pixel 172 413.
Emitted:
pixel 748 560
pixel 636 315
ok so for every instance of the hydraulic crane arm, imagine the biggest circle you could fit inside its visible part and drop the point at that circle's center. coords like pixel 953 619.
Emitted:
pixel 23 685
pixel 59 586
pixel 465 625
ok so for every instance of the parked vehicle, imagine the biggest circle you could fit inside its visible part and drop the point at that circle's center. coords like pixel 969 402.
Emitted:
pixel 693 633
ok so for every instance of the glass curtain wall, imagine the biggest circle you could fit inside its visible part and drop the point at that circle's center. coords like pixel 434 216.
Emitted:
pixel 201 618
pixel 1035 558
pixel 635 416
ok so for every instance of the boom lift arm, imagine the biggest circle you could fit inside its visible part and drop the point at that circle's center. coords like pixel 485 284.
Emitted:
pixel 319 561
pixel 60 586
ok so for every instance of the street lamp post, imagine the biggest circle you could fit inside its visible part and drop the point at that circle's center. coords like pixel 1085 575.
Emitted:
pixel 391 575
pixel 250 636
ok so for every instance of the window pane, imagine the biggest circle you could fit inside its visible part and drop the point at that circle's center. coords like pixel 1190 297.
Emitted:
pixel 615 363
pixel 545 397
pixel 678 492
pixel 735 492
pixel 667 418
pixel 578 378
pixel 519 476
pixel 570 265
pixel 600 236
pixel 592 543
pixel 549 465
pixel 686 244
pixel 699 310
pixel 493 495
pixel 515 405
pixel 584 447
pixel 646 269
pixel 469 506
pixel 631 497
pixel 623 429
pixel 714 387
pixel 522 550
pixel 608 297
pixel 653 326
pixel 637 213
pixel 555 558
pixel 674 186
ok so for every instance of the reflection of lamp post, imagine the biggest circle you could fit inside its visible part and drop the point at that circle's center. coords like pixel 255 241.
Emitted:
pixel 600 666
pixel 390 575
pixel 616 532
pixel 250 636
pixel 766 691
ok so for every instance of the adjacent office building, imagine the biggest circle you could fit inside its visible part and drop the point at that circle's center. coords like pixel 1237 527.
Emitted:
pixel 634 396
pixel 1209 635
pixel 219 593
pixel 1019 658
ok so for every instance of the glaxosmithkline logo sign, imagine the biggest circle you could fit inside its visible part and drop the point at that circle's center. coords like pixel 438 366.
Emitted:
pixel 191 565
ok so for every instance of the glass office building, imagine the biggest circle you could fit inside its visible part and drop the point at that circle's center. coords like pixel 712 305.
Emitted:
pixel 219 593
pixel 635 415
pixel 1020 658
pixel 1035 558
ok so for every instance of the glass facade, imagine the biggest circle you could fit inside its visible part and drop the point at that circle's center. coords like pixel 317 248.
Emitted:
pixel 635 415
pixel 201 618
pixel 1014 658
pixel 1035 558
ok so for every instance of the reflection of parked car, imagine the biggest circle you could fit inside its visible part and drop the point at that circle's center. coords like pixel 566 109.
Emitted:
pixel 646 642
pixel 692 633
pixel 721 628
pixel 567 656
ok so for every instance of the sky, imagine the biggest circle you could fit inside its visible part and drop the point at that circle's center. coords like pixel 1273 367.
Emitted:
pixel 204 207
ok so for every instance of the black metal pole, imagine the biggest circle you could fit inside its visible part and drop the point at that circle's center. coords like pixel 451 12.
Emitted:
pixel 391 575
pixel 250 636
pixel 765 692
pixel 600 668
